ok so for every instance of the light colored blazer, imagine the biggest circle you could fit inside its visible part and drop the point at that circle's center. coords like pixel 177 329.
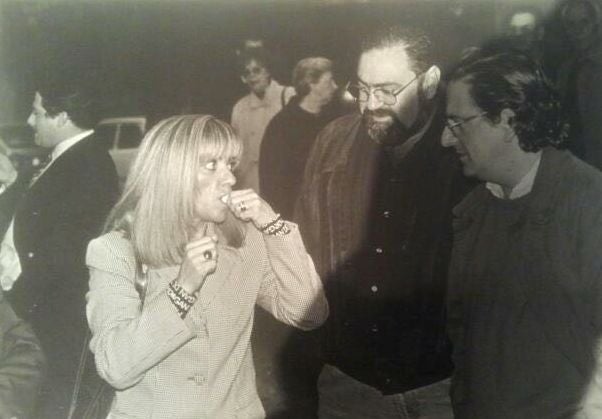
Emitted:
pixel 202 366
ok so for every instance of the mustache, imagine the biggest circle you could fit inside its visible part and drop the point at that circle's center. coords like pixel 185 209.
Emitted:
pixel 393 132
pixel 379 113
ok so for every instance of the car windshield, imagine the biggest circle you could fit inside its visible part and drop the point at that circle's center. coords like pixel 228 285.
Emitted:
pixel 17 136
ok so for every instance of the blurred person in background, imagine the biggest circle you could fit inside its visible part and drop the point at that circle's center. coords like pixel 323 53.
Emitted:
pixel 525 28
pixel 22 361
pixel 291 133
pixel 286 366
pixel 175 279
pixel 580 78
pixel 8 201
pixel 22 366
pixel 252 113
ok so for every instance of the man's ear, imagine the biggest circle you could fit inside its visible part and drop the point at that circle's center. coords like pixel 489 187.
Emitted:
pixel 507 117
pixel 63 118
pixel 430 82
pixel 507 121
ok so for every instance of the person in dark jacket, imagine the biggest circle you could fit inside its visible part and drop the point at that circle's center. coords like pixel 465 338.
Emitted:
pixel 291 133
pixel 525 293
pixel 375 213
pixel 54 216
pixel 282 355
pixel 580 77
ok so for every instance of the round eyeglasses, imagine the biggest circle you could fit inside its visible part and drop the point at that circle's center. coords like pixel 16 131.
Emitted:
pixel 385 96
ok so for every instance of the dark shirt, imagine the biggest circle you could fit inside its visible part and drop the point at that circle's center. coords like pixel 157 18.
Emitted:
pixel 387 292
pixel 286 144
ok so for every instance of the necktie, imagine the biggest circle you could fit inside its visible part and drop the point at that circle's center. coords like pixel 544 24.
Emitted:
pixel 40 169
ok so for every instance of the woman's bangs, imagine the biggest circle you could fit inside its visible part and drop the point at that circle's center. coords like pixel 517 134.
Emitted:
pixel 219 142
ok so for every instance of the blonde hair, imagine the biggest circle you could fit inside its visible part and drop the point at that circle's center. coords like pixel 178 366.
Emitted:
pixel 156 210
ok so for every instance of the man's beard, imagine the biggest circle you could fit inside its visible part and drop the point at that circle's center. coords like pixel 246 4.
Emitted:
pixel 389 132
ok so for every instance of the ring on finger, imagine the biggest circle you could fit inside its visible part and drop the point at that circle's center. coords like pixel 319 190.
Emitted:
pixel 208 255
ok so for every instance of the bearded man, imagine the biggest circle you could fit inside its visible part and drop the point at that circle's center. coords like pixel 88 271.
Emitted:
pixel 375 213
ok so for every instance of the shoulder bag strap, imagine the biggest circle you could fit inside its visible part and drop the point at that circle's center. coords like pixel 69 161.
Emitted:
pixel 141 283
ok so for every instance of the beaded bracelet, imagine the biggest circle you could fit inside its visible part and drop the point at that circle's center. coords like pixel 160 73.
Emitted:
pixel 276 227
pixel 267 225
pixel 181 299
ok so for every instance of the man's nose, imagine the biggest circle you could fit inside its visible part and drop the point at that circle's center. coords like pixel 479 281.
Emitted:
pixel 448 139
pixel 373 102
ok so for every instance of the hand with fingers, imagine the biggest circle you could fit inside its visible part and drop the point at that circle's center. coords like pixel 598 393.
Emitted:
pixel 200 261
pixel 248 206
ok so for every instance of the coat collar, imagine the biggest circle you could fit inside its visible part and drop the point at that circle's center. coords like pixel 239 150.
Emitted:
pixel 343 141
pixel 543 196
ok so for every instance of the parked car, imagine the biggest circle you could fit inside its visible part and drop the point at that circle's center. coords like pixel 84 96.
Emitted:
pixel 122 136
pixel 17 142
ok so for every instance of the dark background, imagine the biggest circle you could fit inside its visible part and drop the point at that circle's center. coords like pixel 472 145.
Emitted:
pixel 160 58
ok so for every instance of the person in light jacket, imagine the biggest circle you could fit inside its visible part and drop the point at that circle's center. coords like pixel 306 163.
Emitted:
pixel 175 279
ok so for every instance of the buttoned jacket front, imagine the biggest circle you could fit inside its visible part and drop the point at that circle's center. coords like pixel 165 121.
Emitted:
pixel 54 219
pixel 200 367
pixel 334 214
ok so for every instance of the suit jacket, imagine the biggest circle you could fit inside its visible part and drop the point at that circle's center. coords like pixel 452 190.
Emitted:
pixel 54 220
pixel 202 366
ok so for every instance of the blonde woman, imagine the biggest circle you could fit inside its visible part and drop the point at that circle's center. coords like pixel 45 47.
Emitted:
pixel 174 281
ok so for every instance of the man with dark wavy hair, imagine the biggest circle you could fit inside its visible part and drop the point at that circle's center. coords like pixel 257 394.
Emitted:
pixel 525 293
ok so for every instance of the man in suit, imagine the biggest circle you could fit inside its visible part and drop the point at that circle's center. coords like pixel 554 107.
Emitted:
pixel 57 212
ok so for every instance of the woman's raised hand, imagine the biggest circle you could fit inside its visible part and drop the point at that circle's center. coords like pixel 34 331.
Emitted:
pixel 248 206
pixel 200 259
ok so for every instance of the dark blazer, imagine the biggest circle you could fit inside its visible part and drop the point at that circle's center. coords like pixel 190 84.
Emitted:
pixel 524 316
pixel 55 219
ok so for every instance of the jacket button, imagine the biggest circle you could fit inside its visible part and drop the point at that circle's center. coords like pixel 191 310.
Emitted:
pixel 378 250
pixel 30 255
pixel 374 288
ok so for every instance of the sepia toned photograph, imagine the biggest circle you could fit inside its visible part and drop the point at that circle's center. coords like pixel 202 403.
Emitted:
pixel 295 209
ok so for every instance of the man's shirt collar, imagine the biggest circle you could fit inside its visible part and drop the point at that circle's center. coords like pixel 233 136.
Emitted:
pixel 522 188
pixel 64 145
